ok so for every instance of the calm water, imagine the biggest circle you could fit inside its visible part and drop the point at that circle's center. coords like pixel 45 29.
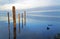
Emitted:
pixel 35 28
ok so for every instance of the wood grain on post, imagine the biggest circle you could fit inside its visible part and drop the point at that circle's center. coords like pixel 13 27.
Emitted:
pixel 14 16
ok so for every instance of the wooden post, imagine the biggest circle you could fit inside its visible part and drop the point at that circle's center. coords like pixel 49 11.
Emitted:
pixel 14 16
pixel 14 21
pixel 22 20
pixel 8 24
pixel 24 17
pixel 8 19
pixel 19 21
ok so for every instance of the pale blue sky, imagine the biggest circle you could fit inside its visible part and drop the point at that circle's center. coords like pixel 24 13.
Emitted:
pixel 25 4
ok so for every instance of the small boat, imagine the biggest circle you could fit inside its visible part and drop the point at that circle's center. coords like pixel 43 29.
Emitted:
pixel 48 28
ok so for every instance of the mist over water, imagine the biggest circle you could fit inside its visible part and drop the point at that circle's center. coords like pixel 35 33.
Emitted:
pixel 39 25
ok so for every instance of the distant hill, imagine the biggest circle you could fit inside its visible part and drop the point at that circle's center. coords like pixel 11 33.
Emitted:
pixel 45 8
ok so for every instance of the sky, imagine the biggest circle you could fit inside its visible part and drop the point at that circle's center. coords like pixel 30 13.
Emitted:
pixel 26 4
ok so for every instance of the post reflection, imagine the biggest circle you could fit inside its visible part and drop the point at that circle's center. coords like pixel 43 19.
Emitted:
pixel 19 29
pixel 9 30
pixel 14 33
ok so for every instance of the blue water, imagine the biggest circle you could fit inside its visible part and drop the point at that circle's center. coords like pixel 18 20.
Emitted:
pixel 35 28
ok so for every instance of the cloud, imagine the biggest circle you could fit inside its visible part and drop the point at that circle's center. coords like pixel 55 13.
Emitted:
pixel 25 4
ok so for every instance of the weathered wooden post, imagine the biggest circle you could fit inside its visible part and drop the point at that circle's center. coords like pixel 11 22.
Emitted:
pixel 19 21
pixel 14 16
pixel 8 24
pixel 8 19
pixel 24 17
pixel 14 21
